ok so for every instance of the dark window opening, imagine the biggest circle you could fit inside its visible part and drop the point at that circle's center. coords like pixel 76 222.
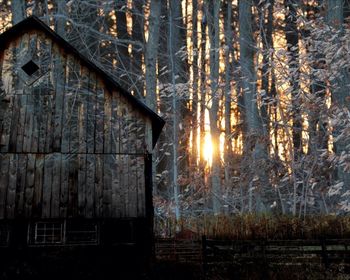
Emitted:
pixel 81 233
pixel 63 233
pixel 30 68
pixel 48 233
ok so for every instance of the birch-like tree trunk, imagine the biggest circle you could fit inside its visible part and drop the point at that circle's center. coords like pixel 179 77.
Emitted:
pixel 212 13
pixel 195 85
pixel 254 127
pixel 228 77
pixel 173 37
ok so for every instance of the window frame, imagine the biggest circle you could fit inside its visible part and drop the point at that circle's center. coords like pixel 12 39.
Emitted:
pixel 64 232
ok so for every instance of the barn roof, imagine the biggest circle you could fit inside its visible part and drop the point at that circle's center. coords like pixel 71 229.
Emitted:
pixel 33 22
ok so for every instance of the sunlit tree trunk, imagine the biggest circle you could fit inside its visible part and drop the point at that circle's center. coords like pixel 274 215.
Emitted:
pixel 212 13
pixel 317 110
pixel 228 78
pixel 254 127
pixel 195 85
pixel 174 68
pixel 340 88
pixel 203 89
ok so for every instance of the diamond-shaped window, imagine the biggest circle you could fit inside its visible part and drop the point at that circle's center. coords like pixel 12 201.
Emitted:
pixel 30 67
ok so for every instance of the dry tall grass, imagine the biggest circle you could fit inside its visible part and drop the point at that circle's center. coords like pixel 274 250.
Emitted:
pixel 250 227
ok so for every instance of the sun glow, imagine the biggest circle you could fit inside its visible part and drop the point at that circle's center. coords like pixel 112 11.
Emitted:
pixel 208 148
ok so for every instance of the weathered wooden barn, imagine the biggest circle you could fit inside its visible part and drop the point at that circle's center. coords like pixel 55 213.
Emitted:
pixel 75 148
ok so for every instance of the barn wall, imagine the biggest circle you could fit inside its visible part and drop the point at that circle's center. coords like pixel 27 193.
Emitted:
pixel 68 145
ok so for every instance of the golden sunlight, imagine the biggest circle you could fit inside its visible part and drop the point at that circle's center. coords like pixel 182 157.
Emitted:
pixel 208 149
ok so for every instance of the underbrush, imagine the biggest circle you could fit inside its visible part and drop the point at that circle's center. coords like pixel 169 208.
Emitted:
pixel 241 227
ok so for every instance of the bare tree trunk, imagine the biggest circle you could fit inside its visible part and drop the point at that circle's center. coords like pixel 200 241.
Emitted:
pixel 123 59
pixel 228 74
pixel 213 10
pixel 137 51
pixel 340 87
pixel 174 71
pixel 294 73
pixel 254 128
pixel 60 18
pixel 18 8
pixel 195 85
pixel 292 38
pixel 203 89
pixel 151 54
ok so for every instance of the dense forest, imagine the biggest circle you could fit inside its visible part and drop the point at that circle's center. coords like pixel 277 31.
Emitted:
pixel 255 94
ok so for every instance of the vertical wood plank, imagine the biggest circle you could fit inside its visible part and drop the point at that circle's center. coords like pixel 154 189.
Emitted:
pixel 21 122
pixel 148 135
pixel 14 123
pixel 132 163
pixel 99 185
pixel 124 126
pixel 107 123
pixel 132 127
pixel 7 106
pixel 91 113
pixel 82 110
pixel 140 134
pixel 42 119
pixel 115 120
pixel 125 184
pixel 20 184
pixel 74 87
pixel 99 120
pixel 82 185
pixel 73 186
pixel 37 119
pixel 59 85
pixel 107 177
pixel 47 186
pixel 116 198
pixel 28 125
pixel 8 101
pixel 90 185
pixel 64 186
pixel 68 101
pixel 29 190
pixel 141 202
pixel 49 114
pixel 56 185
pixel 38 186
pixel 11 191
pixel 4 180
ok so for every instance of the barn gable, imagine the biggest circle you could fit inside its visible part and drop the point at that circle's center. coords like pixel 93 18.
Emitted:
pixel 73 142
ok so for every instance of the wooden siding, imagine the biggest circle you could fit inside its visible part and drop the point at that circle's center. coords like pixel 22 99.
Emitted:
pixel 69 186
pixel 69 145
